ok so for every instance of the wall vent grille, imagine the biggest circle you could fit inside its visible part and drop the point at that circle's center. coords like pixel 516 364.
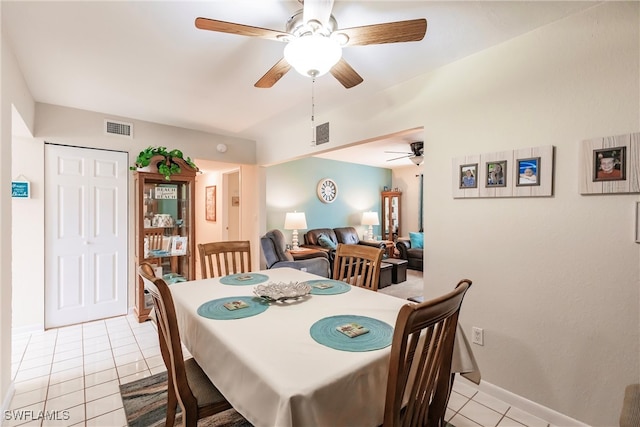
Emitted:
pixel 112 127
pixel 322 133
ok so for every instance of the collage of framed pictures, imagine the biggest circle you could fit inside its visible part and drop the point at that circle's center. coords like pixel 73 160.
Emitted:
pixel 526 172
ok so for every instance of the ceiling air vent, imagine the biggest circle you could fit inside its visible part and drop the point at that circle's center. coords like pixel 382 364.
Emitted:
pixel 322 133
pixel 112 127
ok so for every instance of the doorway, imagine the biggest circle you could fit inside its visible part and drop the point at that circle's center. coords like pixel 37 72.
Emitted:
pixel 85 234
pixel 231 205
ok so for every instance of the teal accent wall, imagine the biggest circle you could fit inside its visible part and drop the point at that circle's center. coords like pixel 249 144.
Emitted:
pixel 292 187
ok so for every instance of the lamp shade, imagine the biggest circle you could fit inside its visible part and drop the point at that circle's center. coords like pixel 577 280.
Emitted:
pixel 295 221
pixel 417 160
pixel 370 218
pixel 312 55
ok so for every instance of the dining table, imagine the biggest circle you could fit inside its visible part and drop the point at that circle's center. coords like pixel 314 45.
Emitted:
pixel 285 363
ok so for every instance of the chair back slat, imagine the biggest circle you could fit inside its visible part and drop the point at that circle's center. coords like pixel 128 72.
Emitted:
pixel 358 265
pixel 155 237
pixel 420 378
pixel 222 258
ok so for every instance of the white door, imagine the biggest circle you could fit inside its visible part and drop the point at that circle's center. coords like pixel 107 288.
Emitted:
pixel 231 205
pixel 85 234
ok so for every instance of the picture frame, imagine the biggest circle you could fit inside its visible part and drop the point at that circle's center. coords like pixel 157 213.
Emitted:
pixel 210 203
pixel 496 174
pixel 468 176
pixel 609 164
pixel 179 245
pixel 528 171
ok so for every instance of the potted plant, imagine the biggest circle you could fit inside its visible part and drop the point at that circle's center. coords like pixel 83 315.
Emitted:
pixel 166 162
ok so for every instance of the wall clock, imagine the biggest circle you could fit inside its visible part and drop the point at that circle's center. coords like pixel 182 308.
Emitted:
pixel 327 190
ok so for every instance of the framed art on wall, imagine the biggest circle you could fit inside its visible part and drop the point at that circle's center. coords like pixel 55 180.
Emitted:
pixel 469 176
pixel 210 203
pixel 609 164
pixel 497 174
pixel 528 171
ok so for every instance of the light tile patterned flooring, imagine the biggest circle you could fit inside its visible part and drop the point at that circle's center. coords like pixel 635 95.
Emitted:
pixel 77 370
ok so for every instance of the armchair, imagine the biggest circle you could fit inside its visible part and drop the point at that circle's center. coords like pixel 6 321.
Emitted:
pixel 276 256
pixel 414 256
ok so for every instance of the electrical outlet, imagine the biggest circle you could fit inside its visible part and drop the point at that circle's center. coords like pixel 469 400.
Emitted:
pixel 478 336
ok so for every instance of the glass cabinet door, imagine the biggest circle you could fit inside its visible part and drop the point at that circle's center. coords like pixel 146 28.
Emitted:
pixel 391 215
pixel 166 219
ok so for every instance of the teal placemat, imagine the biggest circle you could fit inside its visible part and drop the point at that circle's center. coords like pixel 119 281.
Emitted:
pixel 337 287
pixel 379 336
pixel 215 309
pixel 244 279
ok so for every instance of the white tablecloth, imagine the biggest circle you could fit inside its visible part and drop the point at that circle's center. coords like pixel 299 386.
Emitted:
pixel 270 368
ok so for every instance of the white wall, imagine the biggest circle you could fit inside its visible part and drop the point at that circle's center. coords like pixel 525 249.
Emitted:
pixel 407 181
pixel 556 280
pixel 14 96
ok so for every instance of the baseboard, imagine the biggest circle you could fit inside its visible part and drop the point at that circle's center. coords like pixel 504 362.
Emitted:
pixel 535 409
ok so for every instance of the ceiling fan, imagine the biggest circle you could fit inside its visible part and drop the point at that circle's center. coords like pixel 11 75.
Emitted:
pixel 416 154
pixel 314 44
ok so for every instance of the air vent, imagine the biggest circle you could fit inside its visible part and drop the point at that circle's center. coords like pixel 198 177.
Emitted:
pixel 112 127
pixel 322 133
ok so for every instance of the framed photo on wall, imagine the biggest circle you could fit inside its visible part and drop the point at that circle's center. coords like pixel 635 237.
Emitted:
pixel 496 174
pixel 528 171
pixel 210 203
pixel 468 176
pixel 609 164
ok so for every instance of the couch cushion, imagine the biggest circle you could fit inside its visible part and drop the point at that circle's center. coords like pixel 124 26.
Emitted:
pixel 417 240
pixel 347 235
pixel 326 242
pixel 311 236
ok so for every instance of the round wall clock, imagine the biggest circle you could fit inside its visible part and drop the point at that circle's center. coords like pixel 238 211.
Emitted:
pixel 327 190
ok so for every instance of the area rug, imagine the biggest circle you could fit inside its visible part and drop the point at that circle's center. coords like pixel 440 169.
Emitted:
pixel 145 404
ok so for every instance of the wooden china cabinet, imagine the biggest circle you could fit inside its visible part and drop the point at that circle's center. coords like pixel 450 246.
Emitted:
pixel 164 228
pixel 391 214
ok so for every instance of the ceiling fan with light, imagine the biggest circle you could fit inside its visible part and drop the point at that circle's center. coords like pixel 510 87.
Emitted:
pixel 314 44
pixel 416 154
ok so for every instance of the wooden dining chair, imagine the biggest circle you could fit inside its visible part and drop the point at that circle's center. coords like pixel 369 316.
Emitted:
pixel 420 379
pixel 358 265
pixel 223 258
pixel 155 237
pixel 188 385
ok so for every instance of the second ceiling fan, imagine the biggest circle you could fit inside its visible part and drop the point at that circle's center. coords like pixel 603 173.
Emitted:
pixel 314 44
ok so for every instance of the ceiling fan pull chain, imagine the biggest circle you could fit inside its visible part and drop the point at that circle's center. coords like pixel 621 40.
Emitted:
pixel 313 108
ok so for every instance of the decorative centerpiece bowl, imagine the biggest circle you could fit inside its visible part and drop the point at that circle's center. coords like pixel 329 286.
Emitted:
pixel 282 291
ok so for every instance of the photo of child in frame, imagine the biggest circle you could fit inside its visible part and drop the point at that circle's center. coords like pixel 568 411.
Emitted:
pixel 468 175
pixel 528 171
pixel 609 164
pixel 496 174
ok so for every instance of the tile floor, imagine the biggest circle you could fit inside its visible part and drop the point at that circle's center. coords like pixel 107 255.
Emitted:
pixel 76 371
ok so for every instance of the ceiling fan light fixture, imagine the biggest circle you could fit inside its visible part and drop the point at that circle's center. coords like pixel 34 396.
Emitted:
pixel 417 160
pixel 312 55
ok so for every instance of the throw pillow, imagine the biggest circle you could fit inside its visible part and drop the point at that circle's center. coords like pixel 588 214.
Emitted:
pixel 417 240
pixel 326 242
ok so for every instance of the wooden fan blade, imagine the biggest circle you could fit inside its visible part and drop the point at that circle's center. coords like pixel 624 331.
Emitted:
pixel 240 29
pixel 390 32
pixel 274 74
pixel 318 10
pixel 345 74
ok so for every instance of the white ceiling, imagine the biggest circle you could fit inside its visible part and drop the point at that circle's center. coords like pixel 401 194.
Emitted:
pixel 146 60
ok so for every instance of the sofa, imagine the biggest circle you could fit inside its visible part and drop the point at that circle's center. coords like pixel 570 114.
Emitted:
pixel 333 236
pixel 274 251
pixel 414 256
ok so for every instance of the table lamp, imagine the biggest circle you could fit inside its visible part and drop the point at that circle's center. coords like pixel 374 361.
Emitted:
pixel 294 221
pixel 370 219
